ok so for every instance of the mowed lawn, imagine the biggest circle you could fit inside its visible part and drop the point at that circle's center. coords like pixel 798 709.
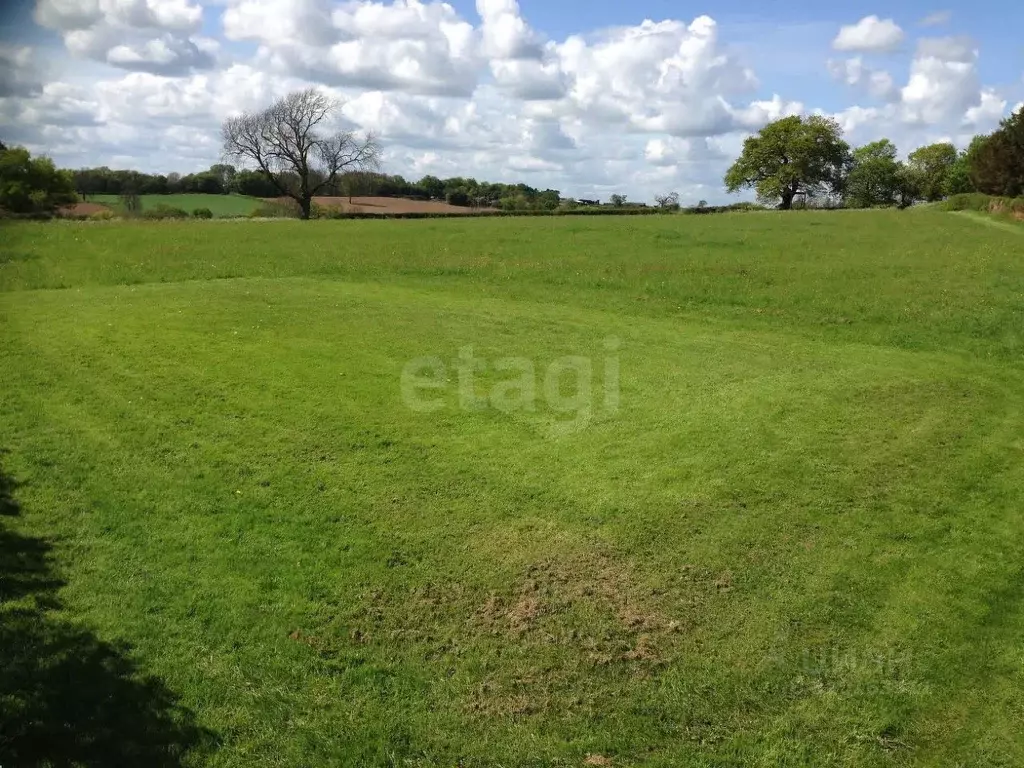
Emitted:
pixel 220 205
pixel 796 539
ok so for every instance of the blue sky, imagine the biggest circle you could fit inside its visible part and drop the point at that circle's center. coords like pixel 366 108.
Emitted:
pixel 643 97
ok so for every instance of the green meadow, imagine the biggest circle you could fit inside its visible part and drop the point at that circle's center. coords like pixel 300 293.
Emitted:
pixel 220 205
pixel 727 490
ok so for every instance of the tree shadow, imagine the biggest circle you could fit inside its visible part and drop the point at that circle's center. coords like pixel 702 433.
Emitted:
pixel 67 697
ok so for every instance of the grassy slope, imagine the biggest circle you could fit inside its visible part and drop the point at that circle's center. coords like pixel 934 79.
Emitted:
pixel 797 543
pixel 220 205
pixel 1002 221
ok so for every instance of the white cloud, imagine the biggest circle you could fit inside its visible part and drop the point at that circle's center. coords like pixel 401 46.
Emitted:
pixel 148 35
pixel 961 49
pixel 943 82
pixel 650 107
pixel 937 19
pixel 506 35
pixel 855 73
pixel 664 77
pixel 408 45
pixel 19 71
pixel 870 34
pixel 759 113
pixel 984 116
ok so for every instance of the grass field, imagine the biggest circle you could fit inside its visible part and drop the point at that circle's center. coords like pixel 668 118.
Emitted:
pixel 219 205
pixel 770 515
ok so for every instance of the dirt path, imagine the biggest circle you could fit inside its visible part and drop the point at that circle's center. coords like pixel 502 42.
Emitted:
pixel 981 218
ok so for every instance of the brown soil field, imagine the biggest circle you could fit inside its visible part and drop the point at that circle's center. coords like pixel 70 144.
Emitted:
pixel 83 209
pixel 385 205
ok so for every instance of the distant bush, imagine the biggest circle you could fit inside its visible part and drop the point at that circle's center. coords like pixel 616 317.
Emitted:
pixel 967 201
pixel 590 211
pixel 703 208
pixel 317 211
pixel 277 209
pixel 202 213
pixel 976 201
pixel 458 197
pixel 1013 206
pixel 160 212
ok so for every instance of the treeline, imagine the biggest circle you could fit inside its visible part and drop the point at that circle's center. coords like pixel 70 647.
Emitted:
pixel 805 162
pixel 32 184
pixel 993 164
pixel 222 179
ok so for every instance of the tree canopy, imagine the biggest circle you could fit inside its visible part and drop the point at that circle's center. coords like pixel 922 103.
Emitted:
pixel 930 168
pixel 791 157
pixel 875 176
pixel 997 161
pixel 32 184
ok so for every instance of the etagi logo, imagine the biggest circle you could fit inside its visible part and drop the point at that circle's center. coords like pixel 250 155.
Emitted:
pixel 568 386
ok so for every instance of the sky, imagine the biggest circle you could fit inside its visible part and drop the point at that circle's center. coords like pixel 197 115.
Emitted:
pixel 590 98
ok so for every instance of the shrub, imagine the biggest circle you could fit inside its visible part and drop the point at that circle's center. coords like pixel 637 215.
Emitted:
pixel 703 208
pixel 160 212
pixel 202 213
pixel 317 211
pixel 101 216
pixel 967 201
pixel 1008 205
pixel 458 197
pixel 276 209
pixel 977 201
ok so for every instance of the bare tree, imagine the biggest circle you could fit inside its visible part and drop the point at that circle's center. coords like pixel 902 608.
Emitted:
pixel 130 199
pixel 669 201
pixel 286 144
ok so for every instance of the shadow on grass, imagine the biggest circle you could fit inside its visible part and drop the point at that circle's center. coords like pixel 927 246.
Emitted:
pixel 66 697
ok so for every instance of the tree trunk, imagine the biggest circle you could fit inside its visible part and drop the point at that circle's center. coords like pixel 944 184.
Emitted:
pixel 305 206
pixel 787 200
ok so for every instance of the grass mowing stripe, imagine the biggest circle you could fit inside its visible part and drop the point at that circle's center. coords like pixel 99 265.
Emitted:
pixel 787 545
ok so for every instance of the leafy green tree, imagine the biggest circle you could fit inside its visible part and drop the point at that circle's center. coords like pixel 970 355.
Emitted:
pixel 876 176
pixel 225 174
pixel 958 180
pixel 246 182
pixel 458 197
pixel 618 200
pixel 932 165
pixel 794 156
pixel 997 161
pixel 548 200
pixel 432 187
pixel 908 186
pixel 29 185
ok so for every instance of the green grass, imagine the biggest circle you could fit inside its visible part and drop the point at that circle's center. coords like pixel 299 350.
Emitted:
pixel 797 542
pixel 220 205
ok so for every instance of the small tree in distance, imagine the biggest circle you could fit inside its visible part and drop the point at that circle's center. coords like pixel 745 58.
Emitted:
pixel 287 144
pixel 131 201
pixel 617 200
pixel 669 202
